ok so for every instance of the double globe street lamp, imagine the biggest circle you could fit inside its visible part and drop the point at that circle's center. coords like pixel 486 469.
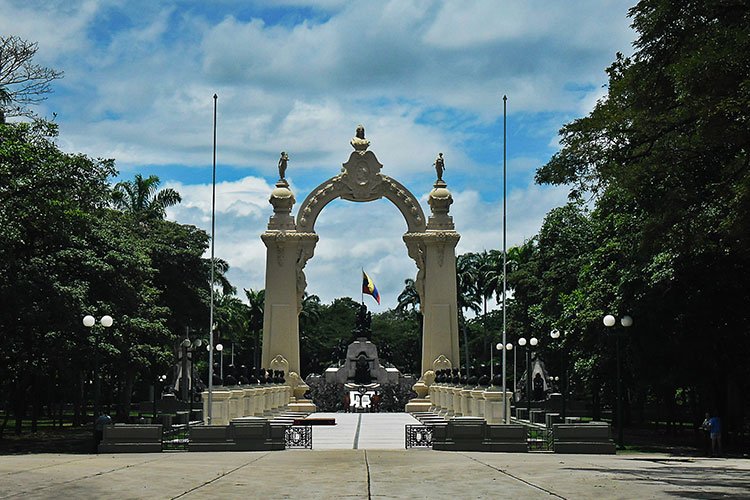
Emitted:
pixel 533 341
pixel 508 347
pixel 554 335
pixel 220 349
pixel 186 366
pixel 626 321
pixel 89 322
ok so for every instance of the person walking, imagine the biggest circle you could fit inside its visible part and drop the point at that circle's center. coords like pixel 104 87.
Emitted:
pixel 102 421
pixel 713 425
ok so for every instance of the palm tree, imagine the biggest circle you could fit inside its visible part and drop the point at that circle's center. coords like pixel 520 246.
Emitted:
pixel 487 279
pixel 309 315
pixel 221 267
pixel 408 299
pixel 255 304
pixel 467 296
pixel 141 198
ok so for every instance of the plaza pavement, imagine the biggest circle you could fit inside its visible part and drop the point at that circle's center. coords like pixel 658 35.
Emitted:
pixel 378 468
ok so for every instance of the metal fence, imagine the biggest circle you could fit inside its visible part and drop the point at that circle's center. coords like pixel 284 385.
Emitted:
pixel 175 437
pixel 418 436
pixel 539 438
pixel 298 436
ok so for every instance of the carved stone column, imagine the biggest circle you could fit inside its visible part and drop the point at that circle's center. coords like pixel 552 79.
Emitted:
pixel 287 253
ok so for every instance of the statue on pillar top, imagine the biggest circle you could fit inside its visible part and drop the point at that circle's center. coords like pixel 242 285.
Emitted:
pixel 358 142
pixel 282 166
pixel 439 166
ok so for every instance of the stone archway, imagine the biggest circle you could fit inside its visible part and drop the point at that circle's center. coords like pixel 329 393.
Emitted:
pixel 291 243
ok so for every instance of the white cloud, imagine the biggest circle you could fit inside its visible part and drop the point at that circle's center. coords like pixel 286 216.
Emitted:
pixel 143 92
pixel 423 76
pixel 352 235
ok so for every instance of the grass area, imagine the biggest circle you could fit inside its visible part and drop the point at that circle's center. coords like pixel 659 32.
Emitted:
pixel 67 439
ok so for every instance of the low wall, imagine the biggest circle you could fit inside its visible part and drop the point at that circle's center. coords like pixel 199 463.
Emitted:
pixel 237 436
pixel 131 438
pixel 595 438
pixel 475 434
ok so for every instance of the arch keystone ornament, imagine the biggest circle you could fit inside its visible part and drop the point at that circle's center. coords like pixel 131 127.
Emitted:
pixel 430 243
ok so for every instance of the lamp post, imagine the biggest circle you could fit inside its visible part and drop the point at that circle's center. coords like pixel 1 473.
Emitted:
pixel 625 321
pixel 533 341
pixel 555 334
pixel 506 347
pixel 89 322
pixel 220 349
pixel 186 375
pixel 158 388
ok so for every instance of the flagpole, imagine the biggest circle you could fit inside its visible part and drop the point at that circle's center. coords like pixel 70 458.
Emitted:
pixel 211 306
pixel 361 287
pixel 505 256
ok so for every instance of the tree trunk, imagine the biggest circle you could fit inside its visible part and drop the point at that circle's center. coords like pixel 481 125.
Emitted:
pixel 20 406
pixel 78 400
pixel 35 402
pixel 596 410
pixel 126 396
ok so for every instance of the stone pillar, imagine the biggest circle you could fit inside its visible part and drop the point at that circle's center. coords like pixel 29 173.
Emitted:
pixel 220 407
pixel 495 405
pixel 466 402
pixel 259 406
pixel 456 400
pixel 249 398
pixel 435 254
pixel 477 402
pixel 236 403
pixel 287 252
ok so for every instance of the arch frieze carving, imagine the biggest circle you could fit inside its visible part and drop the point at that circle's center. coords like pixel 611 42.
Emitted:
pixel 360 180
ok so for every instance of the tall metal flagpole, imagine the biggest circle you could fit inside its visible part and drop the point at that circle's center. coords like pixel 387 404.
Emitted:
pixel 505 257
pixel 211 306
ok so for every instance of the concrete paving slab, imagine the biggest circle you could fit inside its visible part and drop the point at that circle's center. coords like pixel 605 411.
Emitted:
pixel 325 474
pixel 362 431
pixel 336 437
pixel 383 431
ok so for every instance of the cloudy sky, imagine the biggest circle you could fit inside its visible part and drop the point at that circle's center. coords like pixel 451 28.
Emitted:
pixel 423 76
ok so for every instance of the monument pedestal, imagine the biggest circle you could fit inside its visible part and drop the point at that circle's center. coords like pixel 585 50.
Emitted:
pixel 302 406
pixel 418 405
pixel 497 407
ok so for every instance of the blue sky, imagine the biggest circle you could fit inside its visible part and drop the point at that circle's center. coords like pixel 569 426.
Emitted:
pixel 423 77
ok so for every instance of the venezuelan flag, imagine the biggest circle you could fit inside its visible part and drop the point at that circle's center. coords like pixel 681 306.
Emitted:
pixel 368 287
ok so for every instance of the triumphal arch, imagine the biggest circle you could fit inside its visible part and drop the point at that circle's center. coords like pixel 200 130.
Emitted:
pixel 431 242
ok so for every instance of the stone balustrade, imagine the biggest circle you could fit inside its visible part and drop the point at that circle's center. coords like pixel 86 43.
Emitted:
pixel 449 400
pixel 244 401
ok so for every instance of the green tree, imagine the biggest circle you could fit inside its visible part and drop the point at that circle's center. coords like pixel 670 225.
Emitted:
pixel 141 198
pixel 665 156
pixel 47 204
pixel 22 83
pixel 467 295
pixel 256 302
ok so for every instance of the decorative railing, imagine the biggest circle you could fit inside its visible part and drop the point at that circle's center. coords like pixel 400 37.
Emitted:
pixel 175 437
pixel 540 438
pixel 298 436
pixel 418 436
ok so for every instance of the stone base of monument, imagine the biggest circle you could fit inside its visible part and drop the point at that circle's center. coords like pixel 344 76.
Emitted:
pixel 302 406
pixel 418 405
pixel 475 434
pixel 244 435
